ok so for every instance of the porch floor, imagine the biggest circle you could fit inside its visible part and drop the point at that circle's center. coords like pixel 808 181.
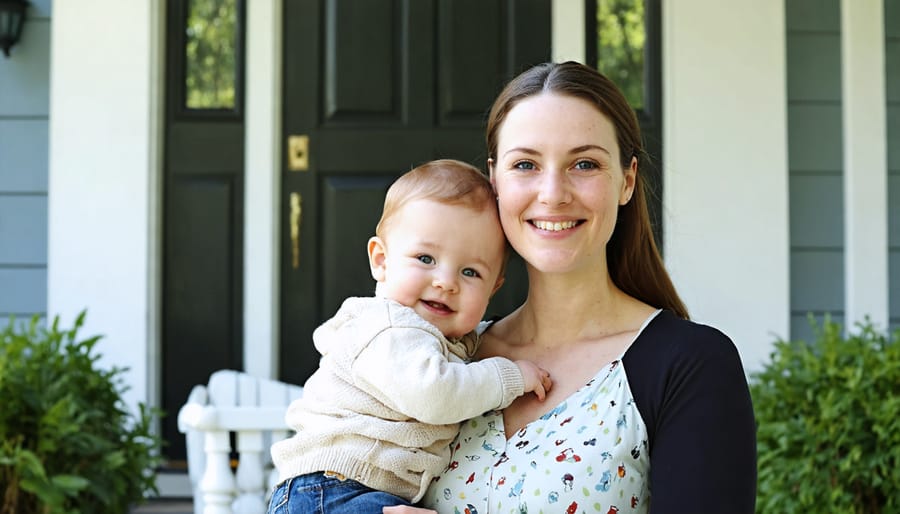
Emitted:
pixel 165 506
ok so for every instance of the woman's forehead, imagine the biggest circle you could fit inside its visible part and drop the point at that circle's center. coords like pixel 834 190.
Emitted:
pixel 552 119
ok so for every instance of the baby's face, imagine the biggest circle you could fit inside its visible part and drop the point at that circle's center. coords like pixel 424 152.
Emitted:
pixel 444 261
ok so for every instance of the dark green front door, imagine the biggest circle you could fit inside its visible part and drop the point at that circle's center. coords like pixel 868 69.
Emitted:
pixel 378 87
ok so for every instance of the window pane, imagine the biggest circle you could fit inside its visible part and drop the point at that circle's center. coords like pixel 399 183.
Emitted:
pixel 210 51
pixel 620 46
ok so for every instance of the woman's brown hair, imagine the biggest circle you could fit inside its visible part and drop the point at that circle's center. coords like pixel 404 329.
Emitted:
pixel 634 261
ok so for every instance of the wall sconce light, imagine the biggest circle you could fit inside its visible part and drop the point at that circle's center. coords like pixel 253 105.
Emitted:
pixel 12 17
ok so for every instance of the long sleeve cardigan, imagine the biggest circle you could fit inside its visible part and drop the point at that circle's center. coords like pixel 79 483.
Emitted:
pixel 388 397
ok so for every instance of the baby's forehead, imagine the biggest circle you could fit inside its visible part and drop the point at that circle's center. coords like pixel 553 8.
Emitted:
pixel 478 233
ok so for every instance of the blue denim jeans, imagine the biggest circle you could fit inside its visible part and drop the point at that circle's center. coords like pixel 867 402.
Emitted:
pixel 316 493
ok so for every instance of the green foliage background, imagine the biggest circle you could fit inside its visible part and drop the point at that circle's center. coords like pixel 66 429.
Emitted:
pixel 211 54
pixel 620 46
pixel 828 417
pixel 68 444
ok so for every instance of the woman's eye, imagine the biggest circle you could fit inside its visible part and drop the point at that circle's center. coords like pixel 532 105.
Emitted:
pixel 524 165
pixel 426 259
pixel 469 272
pixel 585 165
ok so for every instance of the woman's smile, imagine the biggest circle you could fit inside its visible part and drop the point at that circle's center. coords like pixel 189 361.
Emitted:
pixel 555 226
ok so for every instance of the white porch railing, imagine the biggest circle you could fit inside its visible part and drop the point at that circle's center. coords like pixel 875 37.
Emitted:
pixel 252 410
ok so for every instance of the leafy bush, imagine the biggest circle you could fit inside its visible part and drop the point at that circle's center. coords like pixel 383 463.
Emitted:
pixel 828 417
pixel 68 444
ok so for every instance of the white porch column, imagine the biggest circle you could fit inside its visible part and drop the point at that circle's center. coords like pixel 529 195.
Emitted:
pixel 865 162
pixel 725 172
pixel 104 179
pixel 262 188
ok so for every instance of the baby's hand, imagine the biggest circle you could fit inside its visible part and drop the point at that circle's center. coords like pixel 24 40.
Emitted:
pixel 537 379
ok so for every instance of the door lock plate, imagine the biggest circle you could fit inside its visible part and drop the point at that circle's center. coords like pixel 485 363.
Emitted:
pixel 298 153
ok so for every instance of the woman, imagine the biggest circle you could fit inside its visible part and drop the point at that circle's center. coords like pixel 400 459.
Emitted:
pixel 649 412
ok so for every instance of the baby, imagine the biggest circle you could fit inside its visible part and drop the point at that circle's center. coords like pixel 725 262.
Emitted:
pixel 376 419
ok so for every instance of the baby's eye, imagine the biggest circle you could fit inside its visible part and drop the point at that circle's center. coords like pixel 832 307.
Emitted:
pixel 524 165
pixel 585 165
pixel 469 272
pixel 425 259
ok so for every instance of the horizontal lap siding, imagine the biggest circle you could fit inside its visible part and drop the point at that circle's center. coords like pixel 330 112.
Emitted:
pixel 815 161
pixel 892 92
pixel 24 106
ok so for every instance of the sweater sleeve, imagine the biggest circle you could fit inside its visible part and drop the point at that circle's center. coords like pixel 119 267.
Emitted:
pixel 691 390
pixel 406 369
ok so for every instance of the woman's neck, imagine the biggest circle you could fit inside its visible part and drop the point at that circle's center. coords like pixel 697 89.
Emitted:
pixel 563 308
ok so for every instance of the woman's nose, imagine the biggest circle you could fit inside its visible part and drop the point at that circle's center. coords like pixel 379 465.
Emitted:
pixel 555 188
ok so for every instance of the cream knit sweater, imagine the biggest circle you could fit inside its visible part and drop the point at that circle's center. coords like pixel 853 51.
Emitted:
pixel 388 397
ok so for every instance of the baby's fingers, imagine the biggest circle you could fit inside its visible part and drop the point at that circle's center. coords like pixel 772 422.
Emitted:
pixel 546 381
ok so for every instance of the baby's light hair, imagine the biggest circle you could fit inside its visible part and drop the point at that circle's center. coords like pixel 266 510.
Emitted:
pixel 446 181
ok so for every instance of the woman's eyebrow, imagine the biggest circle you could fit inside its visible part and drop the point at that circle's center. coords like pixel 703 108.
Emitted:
pixel 584 148
pixel 577 149
pixel 523 149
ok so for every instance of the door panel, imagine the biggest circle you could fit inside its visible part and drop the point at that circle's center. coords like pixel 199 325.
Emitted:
pixel 380 87
pixel 202 245
pixel 345 233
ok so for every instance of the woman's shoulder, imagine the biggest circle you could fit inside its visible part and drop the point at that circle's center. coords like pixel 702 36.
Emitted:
pixel 673 352
pixel 668 335
pixel 683 366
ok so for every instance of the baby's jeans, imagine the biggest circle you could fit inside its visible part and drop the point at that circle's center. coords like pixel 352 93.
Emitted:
pixel 316 493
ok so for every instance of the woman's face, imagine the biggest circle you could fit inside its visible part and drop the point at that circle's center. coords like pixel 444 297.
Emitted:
pixel 559 182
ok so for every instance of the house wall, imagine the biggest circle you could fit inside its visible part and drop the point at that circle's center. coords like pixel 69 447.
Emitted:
pixel 24 112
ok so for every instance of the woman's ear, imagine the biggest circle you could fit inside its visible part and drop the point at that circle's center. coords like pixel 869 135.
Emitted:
pixel 629 182
pixel 377 258
pixel 490 167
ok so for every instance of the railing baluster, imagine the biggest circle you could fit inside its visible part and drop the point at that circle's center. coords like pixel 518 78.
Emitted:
pixel 250 479
pixel 217 484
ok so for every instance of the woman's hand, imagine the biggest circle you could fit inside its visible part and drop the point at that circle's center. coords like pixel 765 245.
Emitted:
pixel 403 509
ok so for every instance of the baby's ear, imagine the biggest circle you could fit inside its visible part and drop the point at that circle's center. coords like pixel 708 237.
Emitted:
pixel 377 258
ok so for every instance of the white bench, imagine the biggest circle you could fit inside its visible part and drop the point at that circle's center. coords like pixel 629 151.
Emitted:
pixel 250 408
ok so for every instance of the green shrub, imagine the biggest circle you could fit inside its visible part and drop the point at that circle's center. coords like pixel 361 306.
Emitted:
pixel 828 417
pixel 68 444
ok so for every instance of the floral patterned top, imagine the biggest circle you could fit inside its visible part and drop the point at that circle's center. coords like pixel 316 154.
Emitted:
pixel 588 454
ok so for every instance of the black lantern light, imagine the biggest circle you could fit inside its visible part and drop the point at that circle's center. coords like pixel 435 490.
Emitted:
pixel 12 17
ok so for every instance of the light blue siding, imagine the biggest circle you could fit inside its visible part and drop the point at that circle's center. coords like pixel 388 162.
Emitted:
pixel 23 155
pixel 23 230
pixel 892 92
pixel 815 73
pixel 812 16
pixel 21 321
pixel 815 162
pixel 816 202
pixel 25 76
pixel 24 108
pixel 814 135
pixel 24 291
pixel 801 330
